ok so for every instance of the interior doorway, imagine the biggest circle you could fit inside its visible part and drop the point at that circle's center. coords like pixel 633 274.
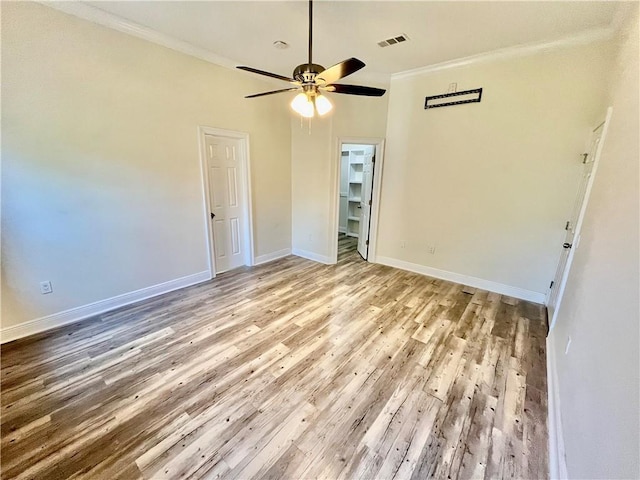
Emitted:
pixel 227 198
pixel 574 223
pixel 358 196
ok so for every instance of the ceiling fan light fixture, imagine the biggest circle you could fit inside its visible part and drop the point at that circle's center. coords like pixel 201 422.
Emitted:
pixel 311 78
pixel 323 105
pixel 303 105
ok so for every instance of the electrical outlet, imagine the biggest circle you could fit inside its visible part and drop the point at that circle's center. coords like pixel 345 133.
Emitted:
pixel 431 249
pixel 566 349
pixel 45 287
pixel 403 244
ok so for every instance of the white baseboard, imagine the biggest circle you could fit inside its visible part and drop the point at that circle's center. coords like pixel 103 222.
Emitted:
pixel 481 283
pixel 312 256
pixel 269 257
pixel 85 311
pixel 557 459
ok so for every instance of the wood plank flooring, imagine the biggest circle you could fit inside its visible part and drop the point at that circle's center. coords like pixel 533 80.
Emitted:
pixel 289 370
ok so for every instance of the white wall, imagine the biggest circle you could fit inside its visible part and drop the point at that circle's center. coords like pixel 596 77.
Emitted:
pixel 101 186
pixel 490 184
pixel 314 169
pixel 311 156
pixel 599 379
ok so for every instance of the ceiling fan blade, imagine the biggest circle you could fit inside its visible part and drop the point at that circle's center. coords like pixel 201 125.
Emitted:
pixel 355 90
pixel 339 70
pixel 267 74
pixel 271 93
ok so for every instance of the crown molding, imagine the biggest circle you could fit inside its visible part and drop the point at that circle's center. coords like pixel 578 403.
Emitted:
pixel 109 20
pixel 585 38
pixel 622 14
pixel 115 22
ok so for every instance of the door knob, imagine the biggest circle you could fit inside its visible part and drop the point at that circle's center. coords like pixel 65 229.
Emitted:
pixel 566 245
pixel 213 215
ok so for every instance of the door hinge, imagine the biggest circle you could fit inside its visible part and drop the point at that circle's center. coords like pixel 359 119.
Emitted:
pixel 369 202
pixel 584 157
pixel 367 242
pixel 567 225
pixel 551 284
pixel 373 159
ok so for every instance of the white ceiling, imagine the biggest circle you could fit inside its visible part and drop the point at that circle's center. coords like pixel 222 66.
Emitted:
pixel 244 31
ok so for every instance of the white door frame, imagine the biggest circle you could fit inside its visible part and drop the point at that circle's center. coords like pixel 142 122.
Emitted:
pixel 247 238
pixel 578 228
pixel 375 194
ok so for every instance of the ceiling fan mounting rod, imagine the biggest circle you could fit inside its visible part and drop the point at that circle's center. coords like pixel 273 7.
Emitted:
pixel 310 31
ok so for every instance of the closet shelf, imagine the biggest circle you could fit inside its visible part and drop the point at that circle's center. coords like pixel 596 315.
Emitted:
pixel 354 219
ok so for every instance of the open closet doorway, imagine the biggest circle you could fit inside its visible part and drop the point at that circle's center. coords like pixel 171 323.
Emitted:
pixel 358 197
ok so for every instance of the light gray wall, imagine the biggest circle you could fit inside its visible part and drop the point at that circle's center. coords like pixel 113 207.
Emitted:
pixel 490 184
pixel 599 378
pixel 101 183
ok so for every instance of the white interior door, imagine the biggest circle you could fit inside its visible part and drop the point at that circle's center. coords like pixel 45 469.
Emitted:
pixel 365 203
pixel 224 166
pixel 573 225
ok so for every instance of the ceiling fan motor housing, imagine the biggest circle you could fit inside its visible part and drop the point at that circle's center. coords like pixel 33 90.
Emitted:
pixel 304 74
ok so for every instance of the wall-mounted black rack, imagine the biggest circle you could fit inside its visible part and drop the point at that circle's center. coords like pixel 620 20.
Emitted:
pixel 436 101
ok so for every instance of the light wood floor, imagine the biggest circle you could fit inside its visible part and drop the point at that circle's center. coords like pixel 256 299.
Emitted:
pixel 289 370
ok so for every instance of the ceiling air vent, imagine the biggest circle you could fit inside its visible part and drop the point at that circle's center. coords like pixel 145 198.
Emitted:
pixel 392 41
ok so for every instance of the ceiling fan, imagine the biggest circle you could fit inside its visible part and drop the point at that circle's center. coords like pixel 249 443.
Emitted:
pixel 312 79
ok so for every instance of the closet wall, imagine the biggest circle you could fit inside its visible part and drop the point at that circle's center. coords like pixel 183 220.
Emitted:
pixel 344 191
pixel 351 177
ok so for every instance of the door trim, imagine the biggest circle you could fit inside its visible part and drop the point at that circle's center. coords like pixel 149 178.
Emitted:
pixel 247 238
pixel 583 209
pixel 375 194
